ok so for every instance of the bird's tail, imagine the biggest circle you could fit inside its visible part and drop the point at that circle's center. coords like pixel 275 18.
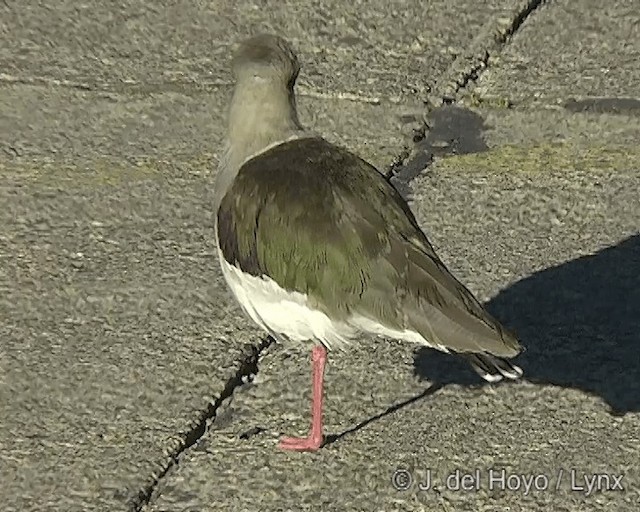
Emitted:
pixel 493 368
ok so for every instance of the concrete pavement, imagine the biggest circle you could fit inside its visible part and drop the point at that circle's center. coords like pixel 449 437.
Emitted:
pixel 122 352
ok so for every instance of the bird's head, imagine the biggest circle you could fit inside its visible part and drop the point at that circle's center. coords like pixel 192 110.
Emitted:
pixel 266 58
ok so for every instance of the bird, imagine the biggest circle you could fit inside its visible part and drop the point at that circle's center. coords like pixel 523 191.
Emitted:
pixel 318 247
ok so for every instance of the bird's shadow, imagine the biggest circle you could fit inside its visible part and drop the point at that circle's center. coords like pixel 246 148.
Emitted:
pixel 332 438
pixel 579 322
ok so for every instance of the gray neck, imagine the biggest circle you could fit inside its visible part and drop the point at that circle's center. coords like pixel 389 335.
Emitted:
pixel 261 114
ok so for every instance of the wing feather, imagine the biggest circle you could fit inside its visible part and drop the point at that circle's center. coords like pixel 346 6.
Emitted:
pixel 323 222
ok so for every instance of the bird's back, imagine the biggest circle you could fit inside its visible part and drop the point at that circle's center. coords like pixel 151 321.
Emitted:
pixel 323 223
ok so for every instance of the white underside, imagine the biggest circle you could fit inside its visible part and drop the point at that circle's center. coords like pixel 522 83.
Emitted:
pixel 281 312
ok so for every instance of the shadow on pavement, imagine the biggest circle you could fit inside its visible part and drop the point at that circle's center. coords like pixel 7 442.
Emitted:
pixel 579 322
pixel 452 130
pixel 332 438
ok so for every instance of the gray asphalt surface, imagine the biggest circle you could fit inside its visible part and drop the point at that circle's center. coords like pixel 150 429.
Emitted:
pixel 122 352
pixel 521 242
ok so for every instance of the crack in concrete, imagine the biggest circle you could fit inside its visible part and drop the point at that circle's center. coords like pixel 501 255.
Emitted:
pixel 465 69
pixel 248 367
pixel 186 87
pixel 469 65
pixel 6 79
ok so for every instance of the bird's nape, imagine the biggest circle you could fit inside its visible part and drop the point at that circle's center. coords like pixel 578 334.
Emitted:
pixel 266 56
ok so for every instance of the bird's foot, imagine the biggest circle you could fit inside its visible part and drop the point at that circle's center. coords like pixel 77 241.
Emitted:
pixel 301 444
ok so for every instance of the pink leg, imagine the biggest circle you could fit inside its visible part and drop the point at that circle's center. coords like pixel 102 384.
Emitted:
pixel 315 438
